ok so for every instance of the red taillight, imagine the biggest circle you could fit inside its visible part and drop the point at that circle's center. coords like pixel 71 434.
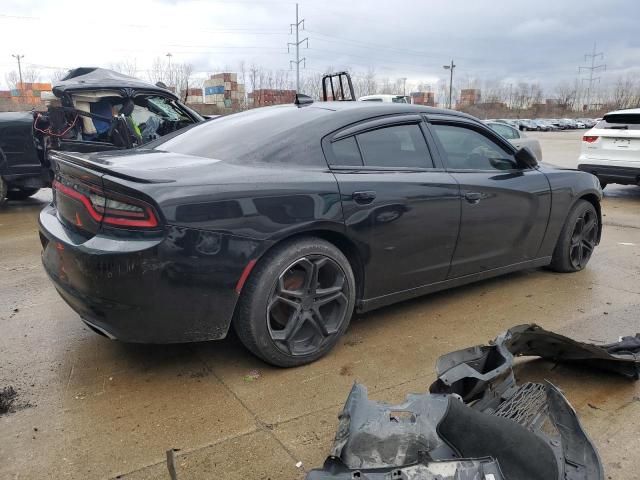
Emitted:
pixel 589 138
pixel 110 209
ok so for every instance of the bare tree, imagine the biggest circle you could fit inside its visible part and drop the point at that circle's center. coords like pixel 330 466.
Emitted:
pixel 566 95
pixel 58 74
pixel 624 93
pixel 31 75
pixel 12 78
pixel 128 67
pixel 176 76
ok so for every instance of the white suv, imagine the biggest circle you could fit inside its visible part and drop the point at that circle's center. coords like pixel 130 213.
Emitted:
pixel 611 149
pixel 384 98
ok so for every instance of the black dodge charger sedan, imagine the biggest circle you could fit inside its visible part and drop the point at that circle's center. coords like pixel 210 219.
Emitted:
pixel 279 221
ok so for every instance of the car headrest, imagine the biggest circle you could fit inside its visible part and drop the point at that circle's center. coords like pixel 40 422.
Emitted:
pixel 127 107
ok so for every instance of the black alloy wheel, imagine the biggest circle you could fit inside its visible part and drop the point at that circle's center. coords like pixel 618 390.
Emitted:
pixel 307 305
pixel 296 303
pixel 578 238
pixel 583 239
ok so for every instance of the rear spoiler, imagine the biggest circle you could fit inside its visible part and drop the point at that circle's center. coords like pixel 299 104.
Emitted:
pixel 79 160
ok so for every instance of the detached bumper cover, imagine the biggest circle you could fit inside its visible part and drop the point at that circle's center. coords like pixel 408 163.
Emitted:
pixel 476 422
pixel 177 288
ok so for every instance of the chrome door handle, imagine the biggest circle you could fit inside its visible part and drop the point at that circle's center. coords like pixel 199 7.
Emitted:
pixel 365 197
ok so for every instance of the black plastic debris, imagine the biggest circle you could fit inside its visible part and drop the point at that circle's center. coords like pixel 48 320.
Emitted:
pixel 477 423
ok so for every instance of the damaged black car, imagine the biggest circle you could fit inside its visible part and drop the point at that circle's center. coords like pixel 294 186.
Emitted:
pixel 94 110
pixel 279 222
pixel 477 423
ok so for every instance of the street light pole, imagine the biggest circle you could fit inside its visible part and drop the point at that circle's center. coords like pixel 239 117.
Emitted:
pixel 450 68
pixel 19 57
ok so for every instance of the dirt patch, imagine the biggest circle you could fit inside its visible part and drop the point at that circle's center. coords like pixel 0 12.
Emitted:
pixel 8 396
pixel 9 401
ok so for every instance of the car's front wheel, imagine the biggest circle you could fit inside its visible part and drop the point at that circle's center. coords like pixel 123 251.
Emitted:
pixel 21 193
pixel 578 239
pixel 297 302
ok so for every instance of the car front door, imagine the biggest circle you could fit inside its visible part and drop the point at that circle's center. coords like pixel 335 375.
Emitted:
pixel 505 206
pixel 399 206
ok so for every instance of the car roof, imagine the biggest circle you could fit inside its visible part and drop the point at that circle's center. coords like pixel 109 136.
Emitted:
pixel 91 78
pixel 632 111
pixel 380 108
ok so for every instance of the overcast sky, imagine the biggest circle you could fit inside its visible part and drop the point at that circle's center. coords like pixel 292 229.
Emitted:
pixel 536 41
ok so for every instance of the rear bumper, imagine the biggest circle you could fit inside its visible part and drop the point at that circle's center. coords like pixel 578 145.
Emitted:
pixel 173 289
pixel 613 174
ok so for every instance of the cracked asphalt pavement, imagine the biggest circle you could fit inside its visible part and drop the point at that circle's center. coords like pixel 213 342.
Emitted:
pixel 88 407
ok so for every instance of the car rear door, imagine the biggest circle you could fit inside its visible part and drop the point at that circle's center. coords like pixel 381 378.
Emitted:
pixel 399 205
pixel 505 206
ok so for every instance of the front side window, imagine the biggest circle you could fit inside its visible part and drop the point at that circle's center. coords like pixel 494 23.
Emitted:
pixel 396 146
pixel 467 149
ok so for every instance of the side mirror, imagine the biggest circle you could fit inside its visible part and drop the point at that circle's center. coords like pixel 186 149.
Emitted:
pixel 525 157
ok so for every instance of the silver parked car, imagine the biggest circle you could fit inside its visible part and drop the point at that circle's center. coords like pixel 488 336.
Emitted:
pixel 517 138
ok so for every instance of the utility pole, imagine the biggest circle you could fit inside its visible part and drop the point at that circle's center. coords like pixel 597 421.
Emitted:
pixel 593 68
pixel 19 57
pixel 169 55
pixel 297 44
pixel 450 68
pixel 404 86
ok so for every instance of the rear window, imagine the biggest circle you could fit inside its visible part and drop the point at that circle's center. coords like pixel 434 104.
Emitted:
pixel 620 121
pixel 254 134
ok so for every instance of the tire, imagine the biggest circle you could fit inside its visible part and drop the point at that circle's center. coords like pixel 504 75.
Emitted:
pixel 22 193
pixel 281 316
pixel 578 239
pixel 4 188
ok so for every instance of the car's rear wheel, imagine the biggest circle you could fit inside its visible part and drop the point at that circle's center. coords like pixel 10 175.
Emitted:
pixel 578 239
pixel 21 193
pixel 297 302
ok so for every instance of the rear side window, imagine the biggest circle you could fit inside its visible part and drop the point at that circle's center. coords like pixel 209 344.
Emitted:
pixel 346 152
pixel 397 146
pixel 620 121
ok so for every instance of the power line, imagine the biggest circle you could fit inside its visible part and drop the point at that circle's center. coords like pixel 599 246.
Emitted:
pixel 593 68
pixel 297 45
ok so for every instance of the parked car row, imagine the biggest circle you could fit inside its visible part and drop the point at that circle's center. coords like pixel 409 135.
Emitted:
pixel 547 124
